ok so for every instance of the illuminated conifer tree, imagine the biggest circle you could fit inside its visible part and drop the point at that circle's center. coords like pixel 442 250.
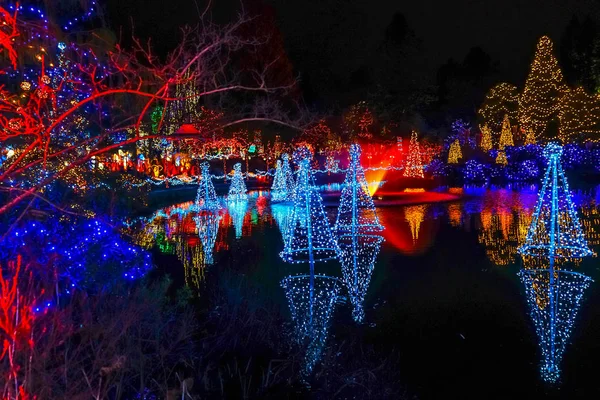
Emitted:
pixel 501 99
pixel 414 166
pixel 501 158
pixel 486 138
pixel 544 87
pixel 506 136
pixel 579 115
pixel 206 198
pixel 530 137
pixel 554 233
pixel 309 238
pixel 283 182
pixel 237 189
pixel 278 192
pixel 356 213
pixel 454 153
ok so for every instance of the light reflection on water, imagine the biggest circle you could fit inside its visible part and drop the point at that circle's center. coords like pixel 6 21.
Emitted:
pixel 496 218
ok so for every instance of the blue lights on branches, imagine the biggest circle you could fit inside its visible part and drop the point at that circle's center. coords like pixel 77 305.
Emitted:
pixel 206 198
pixel 237 189
pixel 356 213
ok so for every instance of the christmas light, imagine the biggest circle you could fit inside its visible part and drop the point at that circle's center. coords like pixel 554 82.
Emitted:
pixel 414 166
pixel 454 153
pixel 208 228
pixel 283 181
pixel 544 87
pixel 312 301
pixel 555 319
pixel 486 139
pixel 237 211
pixel 356 213
pixel 309 238
pixel 500 100
pixel 554 233
pixel 501 158
pixel 206 197
pixel 282 214
pixel 506 136
pixel 237 189
pixel 555 230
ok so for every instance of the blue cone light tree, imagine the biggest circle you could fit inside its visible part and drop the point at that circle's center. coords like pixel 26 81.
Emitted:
pixel 237 189
pixel 358 256
pixel 206 198
pixel 555 232
pixel 356 213
pixel 312 301
pixel 309 238
pixel 208 228
pixel 283 181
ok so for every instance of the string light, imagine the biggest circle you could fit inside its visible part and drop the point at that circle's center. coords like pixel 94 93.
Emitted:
pixel 500 100
pixel 237 189
pixel 309 238
pixel 486 139
pixel 454 153
pixel 544 87
pixel 283 181
pixel 206 197
pixel 312 301
pixel 506 136
pixel 414 167
pixel 356 212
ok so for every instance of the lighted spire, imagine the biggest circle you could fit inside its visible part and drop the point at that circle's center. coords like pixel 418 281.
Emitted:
pixel 356 213
pixel 206 198
pixel 309 236
pixel 554 233
pixel 283 182
pixel 237 189
pixel 414 166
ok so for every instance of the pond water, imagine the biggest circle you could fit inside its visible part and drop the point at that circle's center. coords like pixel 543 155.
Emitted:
pixel 442 288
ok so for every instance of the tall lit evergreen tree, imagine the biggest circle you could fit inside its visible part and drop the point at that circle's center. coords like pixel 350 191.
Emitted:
pixel 486 138
pixel 414 166
pixel 506 136
pixel 544 88
pixel 454 153
pixel 237 189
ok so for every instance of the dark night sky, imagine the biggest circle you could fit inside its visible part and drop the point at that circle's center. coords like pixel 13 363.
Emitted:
pixel 339 35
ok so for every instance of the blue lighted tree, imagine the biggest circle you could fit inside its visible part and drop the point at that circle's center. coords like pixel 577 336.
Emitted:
pixel 237 189
pixel 312 301
pixel 356 213
pixel 278 192
pixel 309 238
pixel 554 233
pixel 208 228
pixel 206 198
pixel 358 256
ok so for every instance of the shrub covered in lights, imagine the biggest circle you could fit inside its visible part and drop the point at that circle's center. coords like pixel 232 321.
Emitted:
pixel 475 171
pixel 76 253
